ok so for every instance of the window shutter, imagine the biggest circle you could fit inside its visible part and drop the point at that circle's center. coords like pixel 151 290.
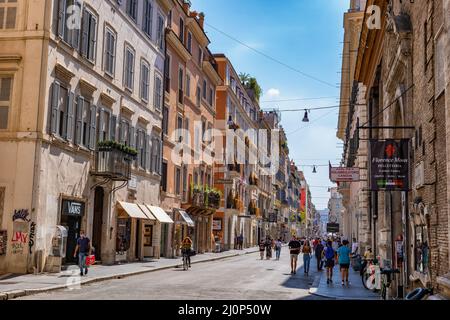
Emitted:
pixel 79 120
pixel 147 146
pixel 112 128
pixel 70 110
pixel 61 17
pixel 92 127
pixel 54 107
pixel 64 128
pixel 160 156
pixel 101 121
pixel 131 138
pixel 76 32
pixel 92 37
pixel 121 132
pixel 138 146
pixel 85 34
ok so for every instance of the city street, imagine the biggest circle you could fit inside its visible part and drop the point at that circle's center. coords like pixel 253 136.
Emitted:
pixel 238 278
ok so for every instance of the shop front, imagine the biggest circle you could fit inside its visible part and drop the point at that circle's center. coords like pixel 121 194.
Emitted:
pixel 71 218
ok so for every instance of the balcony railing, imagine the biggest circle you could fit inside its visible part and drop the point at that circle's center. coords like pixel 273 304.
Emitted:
pixel 113 161
pixel 206 198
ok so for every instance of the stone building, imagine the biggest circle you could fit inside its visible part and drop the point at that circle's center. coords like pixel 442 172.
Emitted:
pixel 81 131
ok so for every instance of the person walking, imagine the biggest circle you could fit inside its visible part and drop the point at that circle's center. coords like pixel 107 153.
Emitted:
pixel 355 247
pixel 329 254
pixel 307 251
pixel 84 249
pixel 318 253
pixel 262 249
pixel 344 254
pixel 268 248
pixel 294 247
pixel 278 245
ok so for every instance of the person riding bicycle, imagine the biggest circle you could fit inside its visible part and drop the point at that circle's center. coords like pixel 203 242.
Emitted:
pixel 186 248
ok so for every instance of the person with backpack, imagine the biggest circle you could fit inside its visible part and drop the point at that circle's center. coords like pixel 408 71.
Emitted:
pixel 278 248
pixel 318 253
pixel 329 254
pixel 294 247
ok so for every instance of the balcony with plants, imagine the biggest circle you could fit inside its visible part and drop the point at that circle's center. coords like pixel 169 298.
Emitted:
pixel 113 160
pixel 205 197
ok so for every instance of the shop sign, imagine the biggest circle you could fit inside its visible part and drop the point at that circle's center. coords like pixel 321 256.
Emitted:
pixel 341 174
pixel 224 181
pixel 390 165
pixel 333 227
pixel 132 184
pixel 217 224
pixel 72 208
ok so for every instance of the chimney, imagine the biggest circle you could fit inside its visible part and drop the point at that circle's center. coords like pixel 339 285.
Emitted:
pixel 186 6
pixel 201 19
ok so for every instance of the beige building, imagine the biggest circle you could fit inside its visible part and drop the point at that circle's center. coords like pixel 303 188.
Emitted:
pixel 80 130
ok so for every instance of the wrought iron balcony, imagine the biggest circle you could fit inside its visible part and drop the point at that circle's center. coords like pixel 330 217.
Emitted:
pixel 206 198
pixel 113 161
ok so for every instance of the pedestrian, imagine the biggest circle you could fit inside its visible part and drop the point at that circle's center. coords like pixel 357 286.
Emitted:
pixel 355 247
pixel 240 241
pixel 294 247
pixel 307 251
pixel 278 245
pixel 344 253
pixel 318 253
pixel 268 248
pixel 84 249
pixel 329 254
pixel 262 249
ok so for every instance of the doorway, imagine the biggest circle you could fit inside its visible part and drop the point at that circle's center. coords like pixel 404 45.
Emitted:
pixel 138 237
pixel 98 222
pixel 73 226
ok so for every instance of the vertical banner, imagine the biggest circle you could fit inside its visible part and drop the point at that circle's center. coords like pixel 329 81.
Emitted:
pixel 389 165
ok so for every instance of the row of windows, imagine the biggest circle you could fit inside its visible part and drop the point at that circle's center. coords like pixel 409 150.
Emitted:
pixel 70 32
pixel 74 118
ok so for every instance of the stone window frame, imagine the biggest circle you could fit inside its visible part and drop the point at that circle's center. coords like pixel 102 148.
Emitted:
pixel 7 104
pixel 5 7
pixel 108 29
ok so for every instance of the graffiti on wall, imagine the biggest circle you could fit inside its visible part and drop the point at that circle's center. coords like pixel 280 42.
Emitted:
pixel 32 234
pixel 19 240
pixel 3 242
pixel 21 214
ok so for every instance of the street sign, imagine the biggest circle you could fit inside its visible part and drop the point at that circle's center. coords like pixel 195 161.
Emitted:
pixel 389 165
pixel 342 174
pixel 333 227
pixel 224 181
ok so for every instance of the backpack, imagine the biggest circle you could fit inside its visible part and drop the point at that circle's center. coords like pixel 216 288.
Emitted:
pixel 329 253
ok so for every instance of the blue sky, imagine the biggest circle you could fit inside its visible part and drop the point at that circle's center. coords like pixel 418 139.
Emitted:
pixel 304 34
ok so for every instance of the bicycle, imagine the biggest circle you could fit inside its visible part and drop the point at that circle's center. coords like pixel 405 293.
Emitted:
pixel 386 276
pixel 370 275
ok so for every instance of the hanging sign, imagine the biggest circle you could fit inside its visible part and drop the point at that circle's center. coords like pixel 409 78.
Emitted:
pixel 341 174
pixel 389 165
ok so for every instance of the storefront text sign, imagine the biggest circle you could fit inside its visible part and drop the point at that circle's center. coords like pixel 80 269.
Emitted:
pixel 341 174
pixel 390 165
pixel 72 208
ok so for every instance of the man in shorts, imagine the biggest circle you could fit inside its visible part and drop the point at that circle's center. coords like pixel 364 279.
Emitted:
pixel 344 253
pixel 294 247
pixel 329 254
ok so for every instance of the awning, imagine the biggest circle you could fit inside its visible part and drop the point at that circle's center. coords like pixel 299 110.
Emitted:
pixel 147 212
pixel 186 218
pixel 133 210
pixel 160 214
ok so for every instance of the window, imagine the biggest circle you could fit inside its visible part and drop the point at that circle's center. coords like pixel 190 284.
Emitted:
pixel 195 178
pixel 167 74
pixel 204 89
pixel 160 32
pixel 203 129
pixel 158 92
pixel 189 42
pixel 200 56
pixel 132 9
pixel 85 123
pixel 104 125
pixel 164 177
pixel 186 132
pixel 156 155
pixel 5 100
pixel 188 85
pixel 179 128
pixel 181 34
pixel 198 96
pixel 141 147
pixel 129 69
pixel 211 96
pixel 177 181
pixel 169 19
pixel 148 17
pixel 110 52
pixel 124 131
pixel 185 183
pixel 62 111
pixel 145 81
pixel 180 86
pixel 66 10
pixel 88 35
pixel 165 120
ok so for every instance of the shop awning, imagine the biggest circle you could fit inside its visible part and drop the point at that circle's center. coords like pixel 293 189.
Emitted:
pixel 147 212
pixel 160 214
pixel 186 218
pixel 133 210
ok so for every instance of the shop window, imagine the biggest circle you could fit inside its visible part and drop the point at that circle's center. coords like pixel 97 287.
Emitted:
pixel 422 249
pixel 123 235
pixel 148 235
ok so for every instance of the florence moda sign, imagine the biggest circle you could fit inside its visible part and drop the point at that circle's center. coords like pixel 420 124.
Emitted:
pixel 390 165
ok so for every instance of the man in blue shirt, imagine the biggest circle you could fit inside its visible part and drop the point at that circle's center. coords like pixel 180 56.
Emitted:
pixel 84 249
pixel 344 253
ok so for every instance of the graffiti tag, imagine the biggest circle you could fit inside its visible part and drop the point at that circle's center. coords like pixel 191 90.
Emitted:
pixel 21 214
pixel 32 233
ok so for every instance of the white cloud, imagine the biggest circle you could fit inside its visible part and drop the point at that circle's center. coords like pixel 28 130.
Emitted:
pixel 273 93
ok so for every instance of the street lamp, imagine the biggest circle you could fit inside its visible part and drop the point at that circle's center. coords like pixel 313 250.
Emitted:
pixel 306 118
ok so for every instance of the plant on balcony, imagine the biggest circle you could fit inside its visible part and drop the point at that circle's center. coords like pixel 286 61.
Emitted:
pixel 110 144
pixel 214 197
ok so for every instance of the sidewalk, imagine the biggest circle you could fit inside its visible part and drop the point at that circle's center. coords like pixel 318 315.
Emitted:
pixel 29 284
pixel 335 290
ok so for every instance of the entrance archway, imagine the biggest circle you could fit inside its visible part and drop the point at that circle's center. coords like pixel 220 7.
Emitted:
pixel 97 230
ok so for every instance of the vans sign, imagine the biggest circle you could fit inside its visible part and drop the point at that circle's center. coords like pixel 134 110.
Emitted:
pixel 72 208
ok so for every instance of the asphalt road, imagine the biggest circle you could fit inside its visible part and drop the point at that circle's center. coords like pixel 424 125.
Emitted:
pixel 238 278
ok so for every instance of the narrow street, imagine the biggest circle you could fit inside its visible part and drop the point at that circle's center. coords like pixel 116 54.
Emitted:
pixel 238 278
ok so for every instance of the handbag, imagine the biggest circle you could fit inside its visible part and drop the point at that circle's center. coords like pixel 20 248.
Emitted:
pixel 89 260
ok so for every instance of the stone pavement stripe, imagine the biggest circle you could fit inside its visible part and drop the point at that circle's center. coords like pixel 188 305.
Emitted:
pixel 25 292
